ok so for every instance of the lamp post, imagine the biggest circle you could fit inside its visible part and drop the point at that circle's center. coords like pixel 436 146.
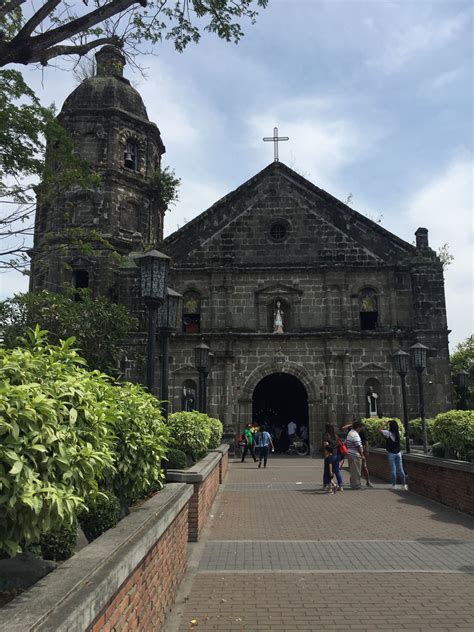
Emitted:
pixel 400 363
pixel 418 353
pixel 167 319
pixel 201 357
pixel 463 385
pixel 154 268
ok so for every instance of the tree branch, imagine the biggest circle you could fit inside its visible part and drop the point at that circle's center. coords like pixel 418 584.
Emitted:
pixel 37 18
pixel 9 6
pixel 83 49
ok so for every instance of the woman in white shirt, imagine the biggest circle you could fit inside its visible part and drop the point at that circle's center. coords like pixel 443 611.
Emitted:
pixel 394 453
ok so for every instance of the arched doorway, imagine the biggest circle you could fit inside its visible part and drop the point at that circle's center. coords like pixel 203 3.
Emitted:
pixel 278 399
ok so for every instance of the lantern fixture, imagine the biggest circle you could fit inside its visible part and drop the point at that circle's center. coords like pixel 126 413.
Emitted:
pixel 463 379
pixel 168 311
pixel 201 355
pixel 154 268
pixel 400 361
pixel 418 353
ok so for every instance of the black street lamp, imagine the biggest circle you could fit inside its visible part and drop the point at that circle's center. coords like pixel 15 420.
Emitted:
pixel 400 363
pixel 418 353
pixel 167 319
pixel 201 359
pixel 463 386
pixel 154 268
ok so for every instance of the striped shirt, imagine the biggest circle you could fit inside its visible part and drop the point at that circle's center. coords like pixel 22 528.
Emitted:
pixel 353 442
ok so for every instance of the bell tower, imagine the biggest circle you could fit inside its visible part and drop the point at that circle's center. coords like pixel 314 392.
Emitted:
pixel 109 126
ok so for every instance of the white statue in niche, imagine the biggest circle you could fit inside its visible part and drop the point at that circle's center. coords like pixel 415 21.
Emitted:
pixel 372 398
pixel 278 319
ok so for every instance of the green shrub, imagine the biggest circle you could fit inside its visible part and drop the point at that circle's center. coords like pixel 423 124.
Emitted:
pixel 101 513
pixel 470 456
pixel 416 432
pixel 189 432
pixel 58 544
pixel 176 459
pixel 438 450
pixel 374 436
pixel 216 433
pixel 53 438
pixel 454 429
pixel 140 441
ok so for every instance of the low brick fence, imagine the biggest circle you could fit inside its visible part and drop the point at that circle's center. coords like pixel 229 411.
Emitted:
pixel 449 482
pixel 126 580
pixel 205 478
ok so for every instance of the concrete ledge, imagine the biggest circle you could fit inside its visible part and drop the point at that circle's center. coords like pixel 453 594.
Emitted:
pixel 434 461
pixel 223 448
pixel 70 598
pixel 197 473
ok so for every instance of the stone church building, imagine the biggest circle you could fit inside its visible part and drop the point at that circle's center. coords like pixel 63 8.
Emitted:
pixel 301 299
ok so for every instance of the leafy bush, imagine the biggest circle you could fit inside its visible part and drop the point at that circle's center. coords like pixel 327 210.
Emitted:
pixel 53 438
pixel 416 430
pixel 470 456
pixel 454 429
pixel 376 438
pixel 190 432
pixel 176 459
pixel 216 433
pixel 140 440
pixel 438 450
pixel 58 544
pixel 101 513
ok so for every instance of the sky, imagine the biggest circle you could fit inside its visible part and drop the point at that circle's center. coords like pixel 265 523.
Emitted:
pixel 375 96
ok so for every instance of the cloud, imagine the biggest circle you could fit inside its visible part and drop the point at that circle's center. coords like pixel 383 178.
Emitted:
pixel 406 41
pixel 445 206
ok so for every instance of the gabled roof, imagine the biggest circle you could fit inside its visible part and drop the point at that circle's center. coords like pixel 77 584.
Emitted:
pixel 328 228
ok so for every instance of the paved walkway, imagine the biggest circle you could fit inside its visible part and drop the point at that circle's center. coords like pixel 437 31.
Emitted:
pixel 279 555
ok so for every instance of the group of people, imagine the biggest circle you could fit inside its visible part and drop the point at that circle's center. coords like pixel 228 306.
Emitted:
pixel 256 437
pixel 281 437
pixel 356 449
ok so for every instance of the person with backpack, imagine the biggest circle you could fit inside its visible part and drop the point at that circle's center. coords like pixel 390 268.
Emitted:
pixel 355 454
pixel 365 450
pixel 332 459
pixel 263 441
pixel 247 440
pixel 394 453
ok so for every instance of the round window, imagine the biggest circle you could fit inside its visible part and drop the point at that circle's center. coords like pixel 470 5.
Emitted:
pixel 278 231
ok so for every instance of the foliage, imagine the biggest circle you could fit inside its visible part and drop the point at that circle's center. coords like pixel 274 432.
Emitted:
pixel 374 436
pixel 190 432
pixel 470 456
pixel 140 440
pixel 99 325
pixel 462 358
pixel 445 255
pixel 416 431
pixel 176 459
pixel 62 28
pixel 101 513
pixel 454 429
pixel 163 187
pixel 58 544
pixel 438 450
pixel 54 438
pixel 216 433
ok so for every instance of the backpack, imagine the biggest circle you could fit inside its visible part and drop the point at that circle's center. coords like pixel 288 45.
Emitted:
pixel 242 441
pixel 342 448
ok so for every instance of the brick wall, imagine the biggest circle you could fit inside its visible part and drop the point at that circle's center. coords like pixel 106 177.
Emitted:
pixel 201 501
pixel 145 598
pixel 223 467
pixel 448 482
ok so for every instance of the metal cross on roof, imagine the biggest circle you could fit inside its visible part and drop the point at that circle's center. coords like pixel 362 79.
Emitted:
pixel 275 138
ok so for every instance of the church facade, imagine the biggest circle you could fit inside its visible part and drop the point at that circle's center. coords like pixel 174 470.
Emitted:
pixel 301 299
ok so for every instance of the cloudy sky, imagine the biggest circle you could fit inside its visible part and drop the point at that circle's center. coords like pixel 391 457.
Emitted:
pixel 376 98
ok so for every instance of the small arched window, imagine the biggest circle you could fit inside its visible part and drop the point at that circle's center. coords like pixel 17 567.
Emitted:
pixel 130 157
pixel 189 396
pixel 368 309
pixel 191 313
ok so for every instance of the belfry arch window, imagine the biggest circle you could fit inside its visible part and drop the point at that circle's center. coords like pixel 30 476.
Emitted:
pixel 130 156
pixel 191 313
pixel 368 309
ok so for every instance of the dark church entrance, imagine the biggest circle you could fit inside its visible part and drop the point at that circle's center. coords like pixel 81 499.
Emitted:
pixel 278 399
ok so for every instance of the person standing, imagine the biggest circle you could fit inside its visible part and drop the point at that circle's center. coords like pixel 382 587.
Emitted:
pixel 248 434
pixel 365 450
pixel 291 432
pixel 355 454
pixel 332 460
pixel 263 441
pixel 394 453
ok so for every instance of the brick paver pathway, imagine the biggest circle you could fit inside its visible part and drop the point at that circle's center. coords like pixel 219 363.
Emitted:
pixel 280 555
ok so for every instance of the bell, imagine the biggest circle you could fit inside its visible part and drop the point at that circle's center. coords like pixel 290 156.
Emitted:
pixel 128 157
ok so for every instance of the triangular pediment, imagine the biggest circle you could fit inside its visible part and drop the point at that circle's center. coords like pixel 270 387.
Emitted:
pixel 371 367
pixel 185 370
pixel 277 290
pixel 278 219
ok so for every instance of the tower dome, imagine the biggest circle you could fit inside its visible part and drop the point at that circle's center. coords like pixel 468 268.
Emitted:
pixel 108 89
